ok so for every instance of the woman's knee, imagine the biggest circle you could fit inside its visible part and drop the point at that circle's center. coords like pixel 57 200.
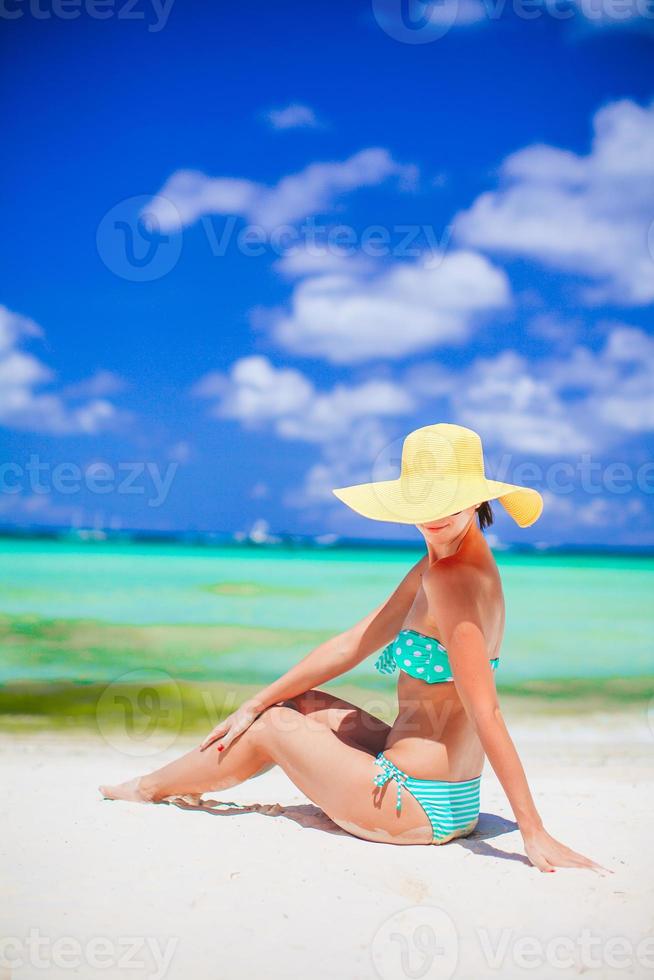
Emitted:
pixel 324 708
pixel 278 719
pixel 311 700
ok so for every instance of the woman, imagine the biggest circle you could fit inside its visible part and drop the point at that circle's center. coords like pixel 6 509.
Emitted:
pixel 443 628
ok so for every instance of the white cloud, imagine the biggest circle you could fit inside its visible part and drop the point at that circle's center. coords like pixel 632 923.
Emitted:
pixel 516 407
pixel 609 392
pixel 556 407
pixel 534 426
pixel 626 399
pixel 332 413
pixel 255 392
pixel 432 19
pixel 585 402
pixel 14 328
pixel 350 318
pixel 608 511
pixel 180 452
pixel 348 459
pixel 583 214
pixel 294 116
pixel 615 13
pixel 259 490
pixel 557 331
pixel 310 260
pixel 23 403
pixel 599 511
pixel 456 13
pixel 19 372
pixel 188 195
pixel 38 509
pixel 349 423
pixel 99 384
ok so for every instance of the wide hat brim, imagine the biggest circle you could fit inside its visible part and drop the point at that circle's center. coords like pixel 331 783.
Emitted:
pixel 418 500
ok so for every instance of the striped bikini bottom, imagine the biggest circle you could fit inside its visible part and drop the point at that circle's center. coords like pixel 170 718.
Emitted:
pixel 452 808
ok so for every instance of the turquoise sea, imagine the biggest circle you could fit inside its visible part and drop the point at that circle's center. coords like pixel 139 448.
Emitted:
pixel 89 610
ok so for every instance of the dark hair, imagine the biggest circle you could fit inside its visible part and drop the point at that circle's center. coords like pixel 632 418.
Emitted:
pixel 485 514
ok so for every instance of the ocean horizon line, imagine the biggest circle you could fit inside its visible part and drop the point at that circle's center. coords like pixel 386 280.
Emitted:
pixel 286 540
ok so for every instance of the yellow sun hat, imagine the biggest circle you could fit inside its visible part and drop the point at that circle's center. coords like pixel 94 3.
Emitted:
pixel 441 473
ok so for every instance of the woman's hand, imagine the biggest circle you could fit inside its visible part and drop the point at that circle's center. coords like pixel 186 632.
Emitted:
pixel 545 852
pixel 233 725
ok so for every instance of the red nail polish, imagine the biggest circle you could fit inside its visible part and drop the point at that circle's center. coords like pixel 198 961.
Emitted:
pixel 220 748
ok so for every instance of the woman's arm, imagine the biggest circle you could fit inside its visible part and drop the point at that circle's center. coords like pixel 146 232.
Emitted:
pixel 332 658
pixel 341 653
pixel 460 628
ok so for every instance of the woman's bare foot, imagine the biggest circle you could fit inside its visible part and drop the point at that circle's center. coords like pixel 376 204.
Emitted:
pixel 132 791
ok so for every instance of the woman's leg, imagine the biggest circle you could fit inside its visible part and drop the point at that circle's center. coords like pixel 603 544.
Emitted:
pixel 352 724
pixel 336 776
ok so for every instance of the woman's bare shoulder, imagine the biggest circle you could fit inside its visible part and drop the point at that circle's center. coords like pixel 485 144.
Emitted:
pixel 456 576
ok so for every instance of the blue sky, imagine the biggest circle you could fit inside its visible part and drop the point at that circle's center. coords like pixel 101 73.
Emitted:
pixel 247 250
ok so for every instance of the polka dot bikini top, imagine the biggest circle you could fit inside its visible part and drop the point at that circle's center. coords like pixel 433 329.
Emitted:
pixel 420 656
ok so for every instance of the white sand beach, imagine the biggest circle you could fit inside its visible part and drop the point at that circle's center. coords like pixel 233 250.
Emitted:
pixel 262 884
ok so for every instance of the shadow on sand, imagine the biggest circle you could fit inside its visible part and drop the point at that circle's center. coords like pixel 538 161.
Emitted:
pixel 311 817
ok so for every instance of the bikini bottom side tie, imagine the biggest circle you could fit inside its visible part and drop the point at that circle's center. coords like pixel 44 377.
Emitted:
pixel 451 807
pixel 390 772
